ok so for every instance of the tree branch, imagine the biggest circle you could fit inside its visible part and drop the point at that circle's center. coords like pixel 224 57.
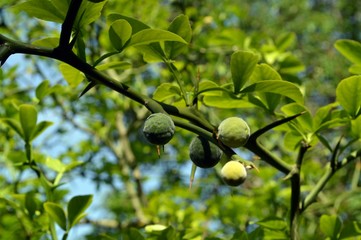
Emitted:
pixel 67 26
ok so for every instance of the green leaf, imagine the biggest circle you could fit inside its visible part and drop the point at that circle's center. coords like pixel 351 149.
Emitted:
pixel 348 95
pixel 72 75
pixel 355 69
pixel 180 26
pixel 285 41
pixel 304 122
pixel 28 118
pixel 291 65
pixel 226 101
pixel 242 66
pixel 54 164
pixel 356 127
pixel 350 49
pixel 330 226
pixel 56 212
pixel 148 36
pixel 119 33
pixel 30 203
pixel 135 234
pixel 267 100
pixel 76 207
pixel 42 90
pixel 351 230
pixel 114 65
pixel 136 24
pixel 283 88
pixel 49 42
pixel 209 88
pixel 40 127
pixel 89 12
pixel 15 125
pixel 166 91
pixel 152 52
pixel 44 10
pixel 273 223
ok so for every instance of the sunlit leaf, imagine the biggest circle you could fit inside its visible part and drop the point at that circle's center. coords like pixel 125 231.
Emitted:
pixel 226 101
pixel 148 36
pixel 44 10
pixel 355 69
pixel 72 75
pixel 348 95
pixel 49 42
pixel 119 33
pixel 114 65
pixel 28 118
pixel 166 91
pixel 274 223
pixel 330 225
pixel 351 49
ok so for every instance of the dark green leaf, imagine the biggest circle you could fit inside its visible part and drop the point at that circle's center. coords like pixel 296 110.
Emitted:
pixel 76 207
pixel 181 27
pixel 30 203
pixel 28 118
pixel 242 66
pixel 135 234
pixel 350 49
pixel 56 212
pixel 351 230
pixel 330 225
pixel 119 33
pixel 15 125
pixel 348 95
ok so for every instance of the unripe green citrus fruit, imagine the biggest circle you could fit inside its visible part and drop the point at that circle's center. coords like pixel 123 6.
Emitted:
pixel 233 173
pixel 203 153
pixel 233 132
pixel 158 128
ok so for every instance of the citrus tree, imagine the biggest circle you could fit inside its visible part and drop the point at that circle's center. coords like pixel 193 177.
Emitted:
pixel 121 92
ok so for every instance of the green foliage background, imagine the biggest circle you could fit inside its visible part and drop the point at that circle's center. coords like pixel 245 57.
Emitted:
pixel 98 136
